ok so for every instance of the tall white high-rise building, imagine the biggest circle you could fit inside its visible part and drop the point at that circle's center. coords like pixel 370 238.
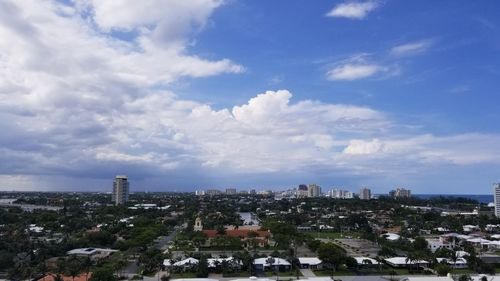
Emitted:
pixel 365 194
pixel 340 194
pixel 120 190
pixel 401 193
pixel 313 190
pixel 496 195
pixel 230 191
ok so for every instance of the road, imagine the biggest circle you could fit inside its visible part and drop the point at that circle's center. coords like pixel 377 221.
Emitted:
pixel 162 241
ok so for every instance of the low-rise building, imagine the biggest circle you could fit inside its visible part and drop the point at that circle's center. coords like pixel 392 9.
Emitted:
pixel 271 263
pixel 404 262
pixel 442 242
pixel 310 262
pixel 92 253
pixel 365 261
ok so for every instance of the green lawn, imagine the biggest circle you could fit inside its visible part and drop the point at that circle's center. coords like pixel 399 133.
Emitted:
pixel 341 272
pixel 282 273
pixel 462 271
pixel 183 275
pixel 236 274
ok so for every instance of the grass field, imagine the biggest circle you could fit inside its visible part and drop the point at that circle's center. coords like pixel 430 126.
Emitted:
pixel 462 271
pixel 283 273
pixel 236 274
pixel 183 275
pixel 342 272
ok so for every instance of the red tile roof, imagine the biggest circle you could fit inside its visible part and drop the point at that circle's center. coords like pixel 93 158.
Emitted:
pixel 81 277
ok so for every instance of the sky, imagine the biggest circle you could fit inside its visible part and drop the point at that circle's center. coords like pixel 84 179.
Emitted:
pixel 196 94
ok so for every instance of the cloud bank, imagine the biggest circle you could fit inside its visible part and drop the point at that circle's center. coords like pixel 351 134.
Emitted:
pixel 78 101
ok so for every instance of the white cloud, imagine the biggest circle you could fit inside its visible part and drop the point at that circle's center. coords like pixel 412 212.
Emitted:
pixel 353 10
pixel 411 48
pixel 354 71
pixel 360 147
pixel 76 101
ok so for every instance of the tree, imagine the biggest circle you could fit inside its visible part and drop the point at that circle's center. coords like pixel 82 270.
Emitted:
pixel 420 244
pixel 120 264
pixel 331 254
pixel 73 267
pixel 103 274
pixel 442 269
pixel 271 261
pixel 221 230
pixel 151 260
pixel 202 268
pixel 465 277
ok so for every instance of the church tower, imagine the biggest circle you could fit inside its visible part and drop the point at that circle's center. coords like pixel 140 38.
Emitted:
pixel 198 225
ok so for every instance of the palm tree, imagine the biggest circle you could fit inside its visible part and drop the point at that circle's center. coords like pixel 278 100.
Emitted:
pixel 454 258
pixel 271 261
pixel 379 260
pixel 410 259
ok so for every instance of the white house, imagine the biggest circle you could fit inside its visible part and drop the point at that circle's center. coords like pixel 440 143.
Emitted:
pixel 92 253
pixel 494 245
pixel 470 228
pixel 459 263
pixel 479 242
pixel 185 263
pixel 271 262
pixel 442 242
pixel 231 261
pixel 365 261
pixel 427 278
pixel 391 236
pixel 404 262
pixel 313 263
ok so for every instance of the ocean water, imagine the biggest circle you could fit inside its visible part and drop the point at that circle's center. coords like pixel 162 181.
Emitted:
pixel 482 198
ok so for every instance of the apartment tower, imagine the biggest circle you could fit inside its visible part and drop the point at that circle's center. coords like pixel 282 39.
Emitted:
pixel 120 190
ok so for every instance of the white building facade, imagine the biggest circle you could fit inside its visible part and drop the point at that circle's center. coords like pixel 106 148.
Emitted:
pixel 121 189
pixel 496 195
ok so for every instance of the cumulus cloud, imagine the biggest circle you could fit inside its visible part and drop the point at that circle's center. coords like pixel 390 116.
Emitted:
pixel 76 101
pixel 353 10
pixel 411 48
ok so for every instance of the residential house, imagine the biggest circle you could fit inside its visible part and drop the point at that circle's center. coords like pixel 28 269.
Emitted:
pixel 271 263
pixel 312 263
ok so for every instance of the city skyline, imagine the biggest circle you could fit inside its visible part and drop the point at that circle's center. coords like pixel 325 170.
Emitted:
pixel 250 95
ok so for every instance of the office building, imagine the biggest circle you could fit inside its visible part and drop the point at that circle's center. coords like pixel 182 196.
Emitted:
pixel 340 194
pixel 120 190
pixel 365 194
pixel 213 192
pixel 313 190
pixel 496 195
pixel 199 192
pixel 301 191
pixel 231 191
pixel 401 193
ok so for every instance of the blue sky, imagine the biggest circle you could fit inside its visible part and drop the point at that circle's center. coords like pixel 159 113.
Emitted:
pixel 250 94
